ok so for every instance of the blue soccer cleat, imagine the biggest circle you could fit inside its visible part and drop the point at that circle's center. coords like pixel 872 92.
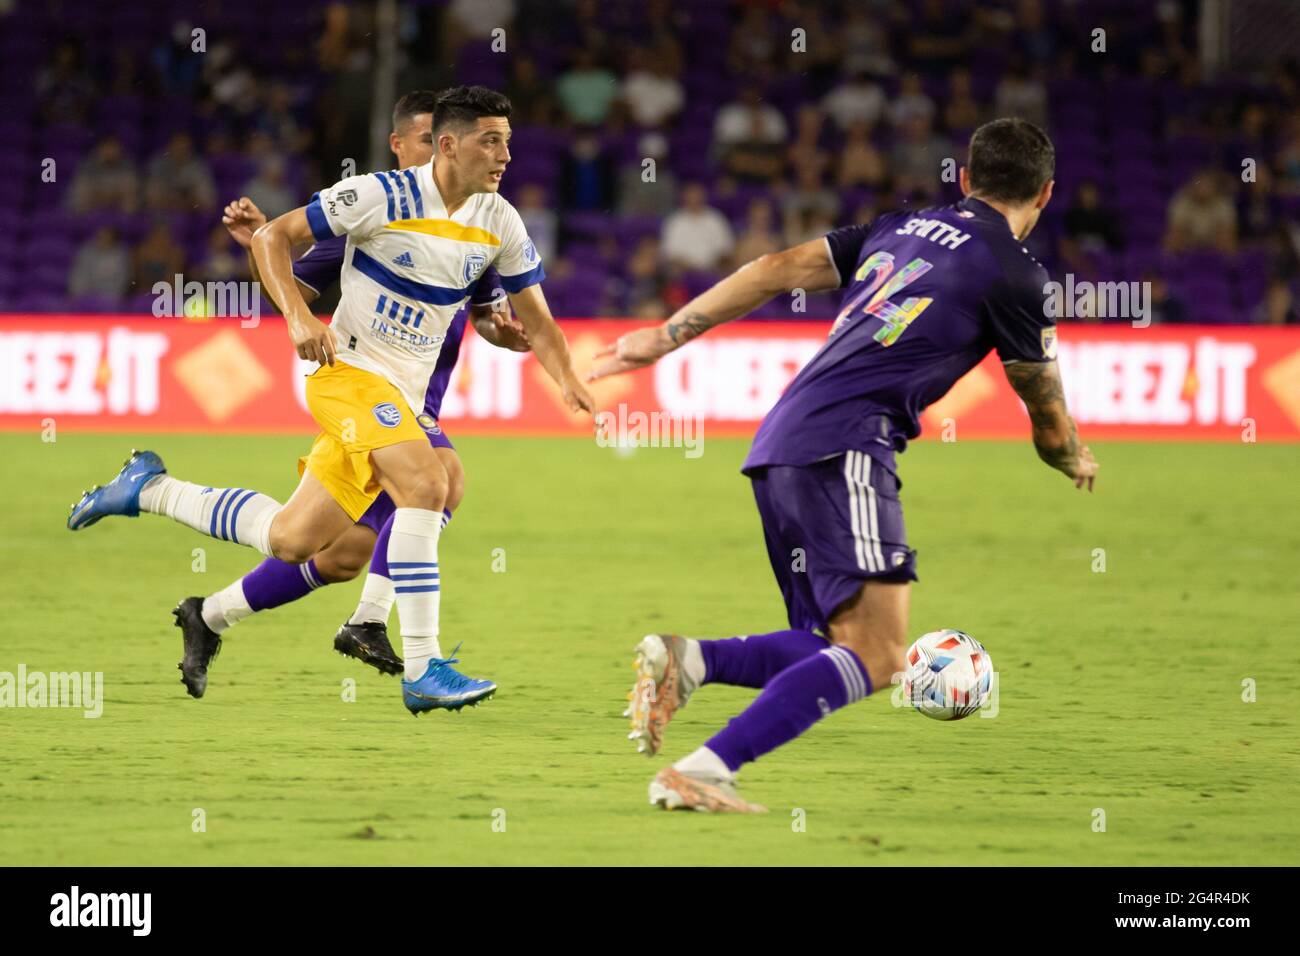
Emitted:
pixel 443 688
pixel 121 496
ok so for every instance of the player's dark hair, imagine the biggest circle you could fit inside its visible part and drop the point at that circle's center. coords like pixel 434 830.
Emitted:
pixel 463 105
pixel 1010 160
pixel 412 105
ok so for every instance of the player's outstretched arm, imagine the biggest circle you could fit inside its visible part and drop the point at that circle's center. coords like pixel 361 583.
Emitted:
pixel 549 346
pixel 242 218
pixel 498 327
pixel 807 266
pixel 1057 441
pixel 272 248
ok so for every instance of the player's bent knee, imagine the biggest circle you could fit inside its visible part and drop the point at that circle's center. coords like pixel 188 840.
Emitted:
pixel 338 568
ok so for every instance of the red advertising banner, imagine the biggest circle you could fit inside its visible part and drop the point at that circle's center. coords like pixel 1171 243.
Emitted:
pixel 132 373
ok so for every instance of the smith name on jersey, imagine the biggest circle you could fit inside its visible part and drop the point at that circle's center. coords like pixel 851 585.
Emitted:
pixel 409 267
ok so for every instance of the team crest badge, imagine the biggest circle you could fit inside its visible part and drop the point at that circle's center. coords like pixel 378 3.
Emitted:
pixel 387 414
pixel 429 424
pixel 474 266
pixel 1048 337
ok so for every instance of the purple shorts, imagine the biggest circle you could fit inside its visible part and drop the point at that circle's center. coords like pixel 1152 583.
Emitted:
pixel 381 509
pixel 830 526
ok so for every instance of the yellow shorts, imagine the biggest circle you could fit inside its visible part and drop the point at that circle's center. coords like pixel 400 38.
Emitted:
pixel 357 411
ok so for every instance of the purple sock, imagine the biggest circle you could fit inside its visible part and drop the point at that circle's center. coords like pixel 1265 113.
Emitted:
pixel 753 661
pixel 792 701
pixel 379 558
pixel 274 582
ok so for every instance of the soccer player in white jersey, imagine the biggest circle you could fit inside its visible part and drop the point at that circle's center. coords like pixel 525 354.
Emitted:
pixel 417 240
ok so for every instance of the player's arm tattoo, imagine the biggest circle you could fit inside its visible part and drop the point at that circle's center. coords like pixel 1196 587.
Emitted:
pixel 1039 386
pixel 689 326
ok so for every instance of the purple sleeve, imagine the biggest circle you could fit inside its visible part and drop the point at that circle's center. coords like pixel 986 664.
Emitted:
pixel 1021 327
pixel 486 288
pixel 319 268
pixel 845 245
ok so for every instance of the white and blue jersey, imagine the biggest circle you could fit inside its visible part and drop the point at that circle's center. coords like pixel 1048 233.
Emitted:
pixel 408 267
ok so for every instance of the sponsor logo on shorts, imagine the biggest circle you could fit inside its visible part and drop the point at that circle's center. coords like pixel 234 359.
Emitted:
pixel 387 414
pixel 429 424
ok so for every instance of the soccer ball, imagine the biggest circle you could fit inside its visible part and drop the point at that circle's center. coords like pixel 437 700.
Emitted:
pixel 949 674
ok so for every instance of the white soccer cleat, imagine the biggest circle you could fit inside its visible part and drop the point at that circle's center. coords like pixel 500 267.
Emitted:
pixel 674 789
pixel 661 687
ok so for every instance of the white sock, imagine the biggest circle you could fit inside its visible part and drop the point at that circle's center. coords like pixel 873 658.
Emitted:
pixel 693 664
pixel 227 607
pixel 413 564
pixel 704 763
pixel 228 514
pixel 376 601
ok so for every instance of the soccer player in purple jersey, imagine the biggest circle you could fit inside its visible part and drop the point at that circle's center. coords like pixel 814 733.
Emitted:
pixel 927 295
pixel 273 582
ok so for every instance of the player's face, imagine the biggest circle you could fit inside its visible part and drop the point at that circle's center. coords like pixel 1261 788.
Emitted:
pixel 413 144
pixel 483 153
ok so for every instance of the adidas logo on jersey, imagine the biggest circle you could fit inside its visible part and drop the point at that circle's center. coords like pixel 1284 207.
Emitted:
pixel 405 260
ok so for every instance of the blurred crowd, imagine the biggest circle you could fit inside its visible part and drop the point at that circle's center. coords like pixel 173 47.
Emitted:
pixel 658 144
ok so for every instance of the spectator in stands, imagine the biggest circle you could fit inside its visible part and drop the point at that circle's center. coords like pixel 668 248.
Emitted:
pixel 158 258
pixel 1202 216
pixel 809 198
pixel 64 88
pixel 749 138
pixel 748 119
pixel 648 190
pixel 1034 38
pixel 530 95
pixel 1166 308
pixel 753 46
pixel 861 164
pixel 1090 227
pixel 223 260
pixel 587 90
pixel 1288 158
pixel 961 112
pixel 807 138
pixel 917 158
pixel 540 220
pixel 268 188
pixel 865 43
pixel 587 179
pixel 107 180
pixel 697 236
pixel 911 102
pixel 939 38
pixel 1020 94
pixel 179 181
pixel 101 267
pixel 646 279
pixel 653 94
pixel 858 99
pixel 759 236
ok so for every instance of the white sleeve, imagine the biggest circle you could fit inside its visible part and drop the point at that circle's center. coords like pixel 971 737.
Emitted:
pixel 358 206
pixel 518 262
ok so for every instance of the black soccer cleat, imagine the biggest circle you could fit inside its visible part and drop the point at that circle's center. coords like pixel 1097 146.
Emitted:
pixel 201 645
pixel 368 643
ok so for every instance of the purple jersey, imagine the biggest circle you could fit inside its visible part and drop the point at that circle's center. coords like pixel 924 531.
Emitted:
pixel 319 268
pixel 927 295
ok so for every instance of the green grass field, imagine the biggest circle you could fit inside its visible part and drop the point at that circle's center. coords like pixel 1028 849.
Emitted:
pixel 1120 691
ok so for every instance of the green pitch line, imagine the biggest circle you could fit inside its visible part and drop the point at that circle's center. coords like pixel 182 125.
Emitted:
pixel 1121 691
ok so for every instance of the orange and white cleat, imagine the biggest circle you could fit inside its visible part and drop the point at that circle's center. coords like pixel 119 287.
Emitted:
pixel 661 687
pixel 675 789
